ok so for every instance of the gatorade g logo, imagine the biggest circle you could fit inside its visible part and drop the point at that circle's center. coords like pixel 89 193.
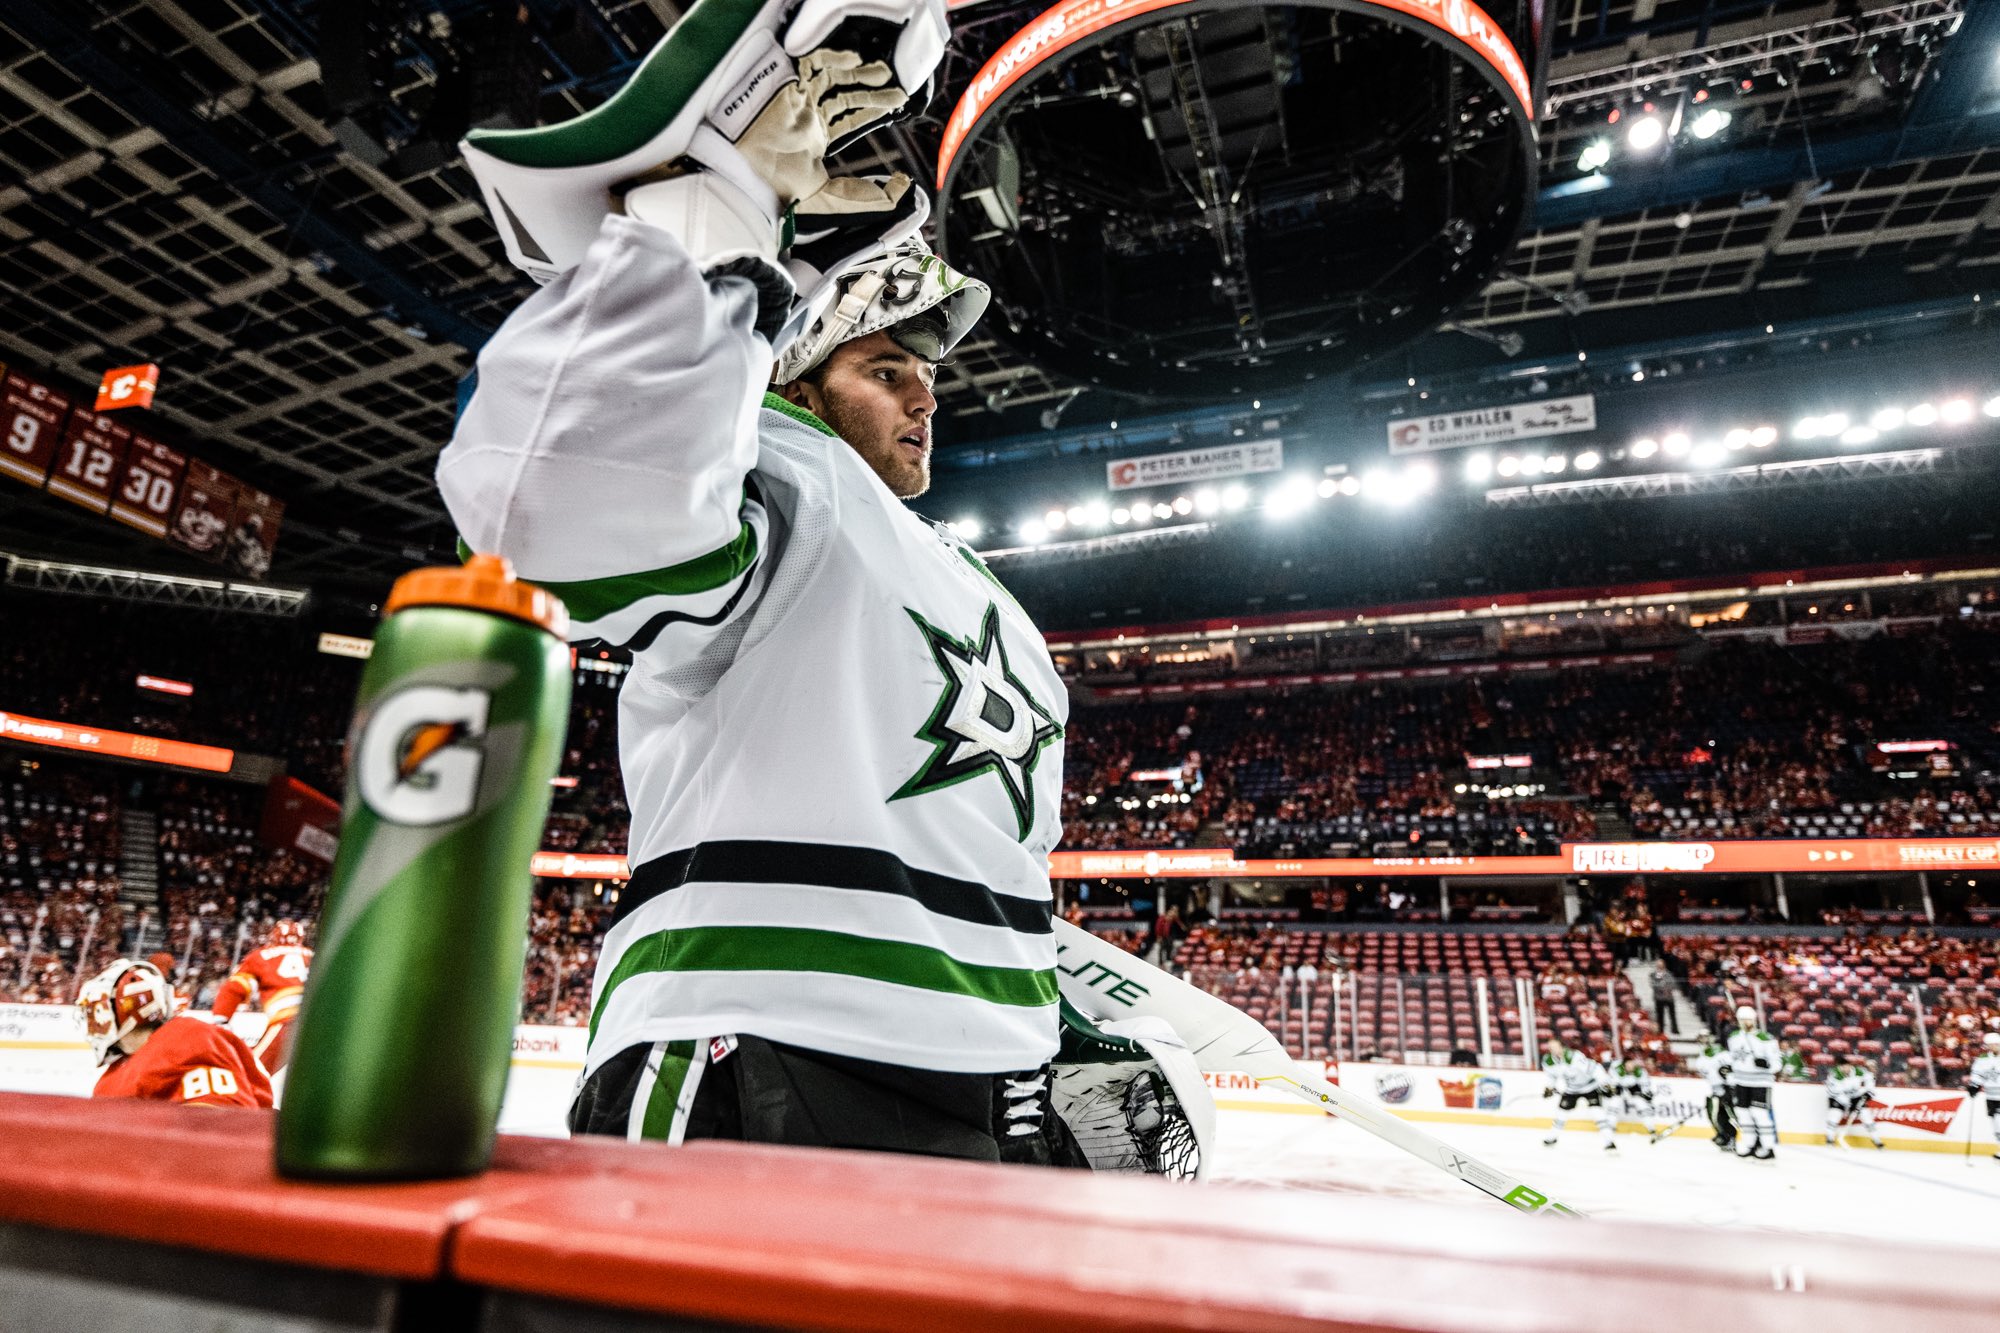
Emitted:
pixel 419 759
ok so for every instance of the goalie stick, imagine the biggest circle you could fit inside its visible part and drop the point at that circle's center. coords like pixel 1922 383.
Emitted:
pixel 1105 982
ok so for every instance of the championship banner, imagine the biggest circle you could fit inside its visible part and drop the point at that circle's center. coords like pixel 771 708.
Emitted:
pixel 1493 425
pixel 208 503
pixel 128 386
pixel 1191 465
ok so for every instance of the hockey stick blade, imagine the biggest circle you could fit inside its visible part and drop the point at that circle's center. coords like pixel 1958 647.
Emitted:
pixel 1106 983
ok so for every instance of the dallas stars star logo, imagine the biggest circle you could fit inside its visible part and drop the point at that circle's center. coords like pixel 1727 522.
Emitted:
pixel 986 721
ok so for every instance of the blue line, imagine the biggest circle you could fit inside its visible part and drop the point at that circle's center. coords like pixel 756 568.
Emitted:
pixel 1848 1158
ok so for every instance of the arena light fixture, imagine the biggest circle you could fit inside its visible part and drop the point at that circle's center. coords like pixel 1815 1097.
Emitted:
pixel 1074 514
pixel 1350 485
pixel 1860 435
pixel 1887 418
pixel 1956 411
pixel 1738 438
pixel 1479 467
pixel 1121 515
pixel 1531 465
pixel 1677 444
pixel 1142 513
pixel 1055 519
pixel 968 529
pixel 1710 123
pixel 1645 133
pixel 1588 460
pixel 1328 488
pixel 1763 437
pixel 1707 454
pixel 1420 476
pixel 1923 414
pixel 1595 155
pixel 1163 510
pixel 1183 505
pixel 1206 501
pixel 1508 466
pixel 1807 428
pixel 1034 532
pixel 1554 463
pixel 1234 497
pixel 1096 514
pixel 1645 448
pixel 1993 406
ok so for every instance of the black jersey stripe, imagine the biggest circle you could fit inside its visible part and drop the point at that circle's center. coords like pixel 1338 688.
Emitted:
pixel 829 866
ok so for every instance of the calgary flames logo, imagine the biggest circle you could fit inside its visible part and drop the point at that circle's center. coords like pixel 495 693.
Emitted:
pixel 419 758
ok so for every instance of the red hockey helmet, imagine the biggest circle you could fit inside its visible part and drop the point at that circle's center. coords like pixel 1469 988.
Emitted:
pixel 287 931
pixel 122 998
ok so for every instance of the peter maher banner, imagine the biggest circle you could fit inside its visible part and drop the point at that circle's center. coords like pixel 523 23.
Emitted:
pixel 1186 465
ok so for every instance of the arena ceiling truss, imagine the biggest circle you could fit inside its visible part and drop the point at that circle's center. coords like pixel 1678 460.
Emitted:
pixel 171 190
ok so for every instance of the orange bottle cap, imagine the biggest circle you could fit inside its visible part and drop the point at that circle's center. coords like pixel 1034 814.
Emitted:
pixel 482 583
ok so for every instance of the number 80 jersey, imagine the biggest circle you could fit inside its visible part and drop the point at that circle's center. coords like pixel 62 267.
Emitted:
pixel 187 1060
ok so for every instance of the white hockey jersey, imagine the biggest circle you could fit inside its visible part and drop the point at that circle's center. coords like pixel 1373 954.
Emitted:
pixel 1632 1080
pixel 1708 1065
pixel 1849 1083
pixel 1574 1073
pixel 841 737
pixel 1985 1075
pixel 1753 1058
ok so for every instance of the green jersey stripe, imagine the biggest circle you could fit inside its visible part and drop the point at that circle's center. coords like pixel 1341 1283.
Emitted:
pixel 675 1061
pixel 591 600
pixel 798 949
pixel 774 403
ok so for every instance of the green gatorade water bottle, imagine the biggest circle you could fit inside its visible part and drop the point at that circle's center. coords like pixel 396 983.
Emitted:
pixel 402 1048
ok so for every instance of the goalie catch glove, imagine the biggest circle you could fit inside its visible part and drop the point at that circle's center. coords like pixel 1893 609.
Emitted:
pixel 1133 1097
pixel 749 99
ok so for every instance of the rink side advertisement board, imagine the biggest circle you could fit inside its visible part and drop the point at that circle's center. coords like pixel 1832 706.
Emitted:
pixel 42 1049
pixel 1493 425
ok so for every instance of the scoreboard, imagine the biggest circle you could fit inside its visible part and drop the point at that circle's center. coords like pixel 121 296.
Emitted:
pixel 98 461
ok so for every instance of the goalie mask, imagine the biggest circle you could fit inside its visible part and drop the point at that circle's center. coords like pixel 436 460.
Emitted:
pixel 119 1000
pixel 922 302
pixel 1133 1096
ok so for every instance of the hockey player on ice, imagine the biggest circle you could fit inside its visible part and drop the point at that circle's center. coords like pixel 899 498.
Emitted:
pixel 1576 1078
pixel 1751 1061
pixel 1849 1085
pixel 1634 1084
pixel 1983 1079
pixel 841 737
pixel 1709 1065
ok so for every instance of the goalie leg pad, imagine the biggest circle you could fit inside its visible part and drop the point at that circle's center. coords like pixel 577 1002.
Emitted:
pixel 1133 1096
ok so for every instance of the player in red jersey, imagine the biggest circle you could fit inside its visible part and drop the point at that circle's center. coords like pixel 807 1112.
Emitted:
pixel 275 975
pixel 128 1011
